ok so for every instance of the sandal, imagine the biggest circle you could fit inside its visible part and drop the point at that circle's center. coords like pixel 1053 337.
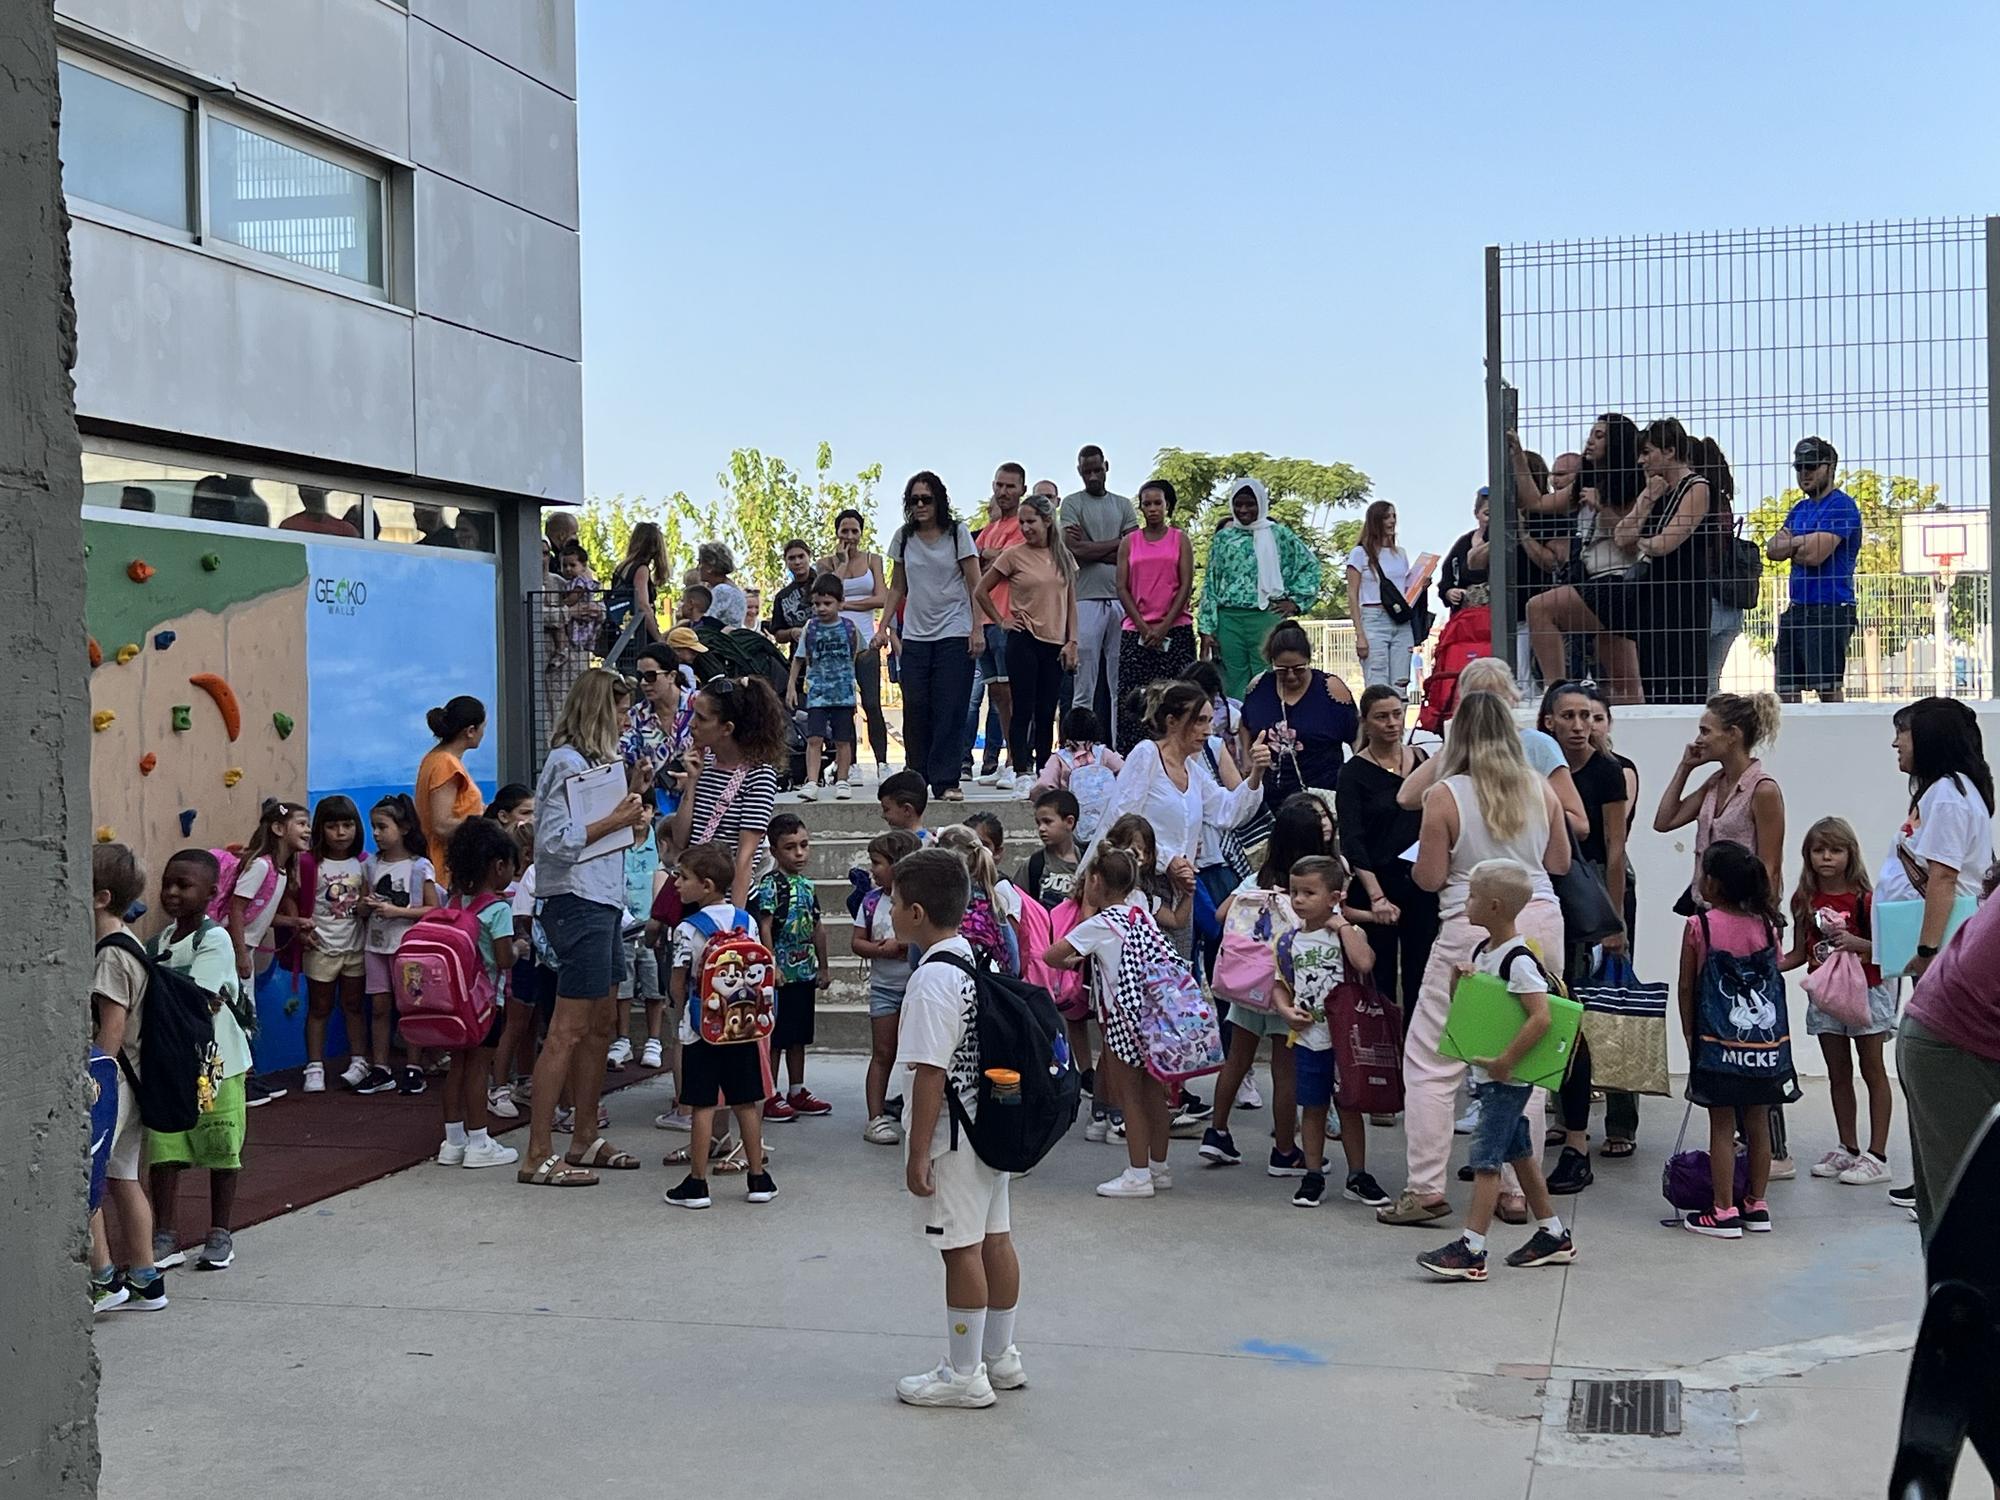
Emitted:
pixel 732 1161
pixel 601 1154
pixel 1555 1135
pixel 551 1172
pixel 720 1155
pixel 1511 1209
pixel 1616 1149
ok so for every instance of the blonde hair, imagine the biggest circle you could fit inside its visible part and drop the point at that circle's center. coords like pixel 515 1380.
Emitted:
pixel 1489 674
pixel 976 857
pixel 1834 833
pixel 1050 512
pixel 590 722
pixel 1483 743
pixel 1752 715
pixel 1504 881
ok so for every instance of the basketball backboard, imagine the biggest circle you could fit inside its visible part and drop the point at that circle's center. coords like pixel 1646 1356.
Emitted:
pixel 1936 539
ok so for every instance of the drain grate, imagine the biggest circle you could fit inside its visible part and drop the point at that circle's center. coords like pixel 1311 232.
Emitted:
pixel 1625 1408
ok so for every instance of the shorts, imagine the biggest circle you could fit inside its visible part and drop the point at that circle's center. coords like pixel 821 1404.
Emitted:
pixel 968 1201
pixel 835 723
pixel 993 665
pixel 1811 650
pixel 794 1026
pixel 1882 1000
pixel 739 1073
pixel 378 973
pixel 1259 1023
pixel 642 981
pixel 493 1033
pixel 129 1138
pixel 325 968
pixel 1615 602
pixel 215 1142
pixel 1502 1135
pixel 1314 1067
pixel 884 1000
pixel 589 942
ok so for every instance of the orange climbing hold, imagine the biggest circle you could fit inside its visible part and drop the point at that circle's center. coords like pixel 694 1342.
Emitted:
pixel 139 570
pixel 147 762
pixel 96 652
pixel 225 700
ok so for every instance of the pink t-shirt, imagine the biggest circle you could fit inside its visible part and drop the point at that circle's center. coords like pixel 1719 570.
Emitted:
pixel 1154 570
pixel 1957 999
pixel 1734 933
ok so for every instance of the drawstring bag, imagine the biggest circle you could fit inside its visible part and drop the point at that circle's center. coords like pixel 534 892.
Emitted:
pixel 1839 989
pixel 1686 1181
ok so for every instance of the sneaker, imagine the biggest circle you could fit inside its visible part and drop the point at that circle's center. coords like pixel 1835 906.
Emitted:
pixel 1312 1187
pixel 893 1105
pixel 1411 1209
pixel 256 1092
pixel 620 1053
pixel 1098 1128
pixel 1216 1146
pixel 1466 1174
pixel 147 1296
pixel 167 1252
pixel 1545 1249
pixel 1185 1126
pixel 674 1119
pixel 218 1251
pixel 1290 1163
pixel 777 1111
pixel 1004 1370
pixel 651 1055
pixel 808 792
pixel 1162 1175
pixel 1247 1096
pixel 489 1153
pixel 1383 1122
pixel 379 1081
pixel 1716 1223
pixel 692 1193
pixel 1572 1173
pixel 1117 1129
pixel 1007 781
pixel 1133 1182
pixel 1361 1188
pixel 1468 1122
pixel 1904 1197
pixel 105 1295
pixel 1457 1261
pixel 1756 1215
pixel 854 774
pixel 1834 1163
pixel 500 1104
pixel 1784 1169
pixel 1194 1107
pixel 987 776
pixel 450 1155
pixel 882 1131
pixel 805 1102
pixel 411 1081
pixel 944 1386
pixel 565 1120
pixel 356 1073
pixel 842 792
pixel 1867 1171
pixel 759 1188
pixel 315 1078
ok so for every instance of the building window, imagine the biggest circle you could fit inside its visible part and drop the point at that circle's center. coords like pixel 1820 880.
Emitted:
pixel 456 526
pixel 126 148
pixel 277 198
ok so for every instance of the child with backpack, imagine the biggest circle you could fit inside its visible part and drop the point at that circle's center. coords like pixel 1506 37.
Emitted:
pixel 990 919
pixel 993 833
pixel 332 884
pixel 787 913
pixel 715 1074
pixel 118 996
pixel 401 887
pixel 1496 892
pixel 874 938
pixel 1084 766
pixel 824 659
pixel 1733 1013
pixel 193 946
pixel 1050 871
pixel 259 886
pixel 1314 960
pixel 645 878
pixel 481 857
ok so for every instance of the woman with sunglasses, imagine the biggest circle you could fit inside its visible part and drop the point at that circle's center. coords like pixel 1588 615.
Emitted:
pixel 1155 582
pixel 930 610
pixel 1308 715
pixel 1041 629
pixel 1259 573
pixel 657 722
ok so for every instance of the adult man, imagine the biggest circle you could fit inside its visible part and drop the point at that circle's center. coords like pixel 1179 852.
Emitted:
pixel 1000 532
pixel 1821 539
pixel 312 515
pixel 431 530
pixel 1094 520
pixel 557 531
pixel 791 606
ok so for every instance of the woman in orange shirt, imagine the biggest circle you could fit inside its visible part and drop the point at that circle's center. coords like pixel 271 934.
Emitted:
pixel 446 792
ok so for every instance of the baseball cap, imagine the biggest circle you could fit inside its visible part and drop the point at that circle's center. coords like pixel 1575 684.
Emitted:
pixel 1812 451
pixel 685 639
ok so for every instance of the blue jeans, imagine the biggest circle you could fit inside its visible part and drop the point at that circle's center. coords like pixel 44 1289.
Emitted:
pixel 936 675
pixel 1502 1135
pixel 992 664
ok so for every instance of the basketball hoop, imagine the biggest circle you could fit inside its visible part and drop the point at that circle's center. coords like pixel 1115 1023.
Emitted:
pixel 1946 562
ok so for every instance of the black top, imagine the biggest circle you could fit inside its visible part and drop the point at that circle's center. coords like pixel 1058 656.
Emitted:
pixel 791 606
pixel 1373 829
pixel 1308 739
pixel 1458 572
pixel 1600 781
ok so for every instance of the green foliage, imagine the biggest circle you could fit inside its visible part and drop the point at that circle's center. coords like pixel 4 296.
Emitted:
pixel 605 526
pixel 765 502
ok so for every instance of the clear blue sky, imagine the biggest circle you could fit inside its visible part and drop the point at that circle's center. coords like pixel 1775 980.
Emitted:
pixel 943 235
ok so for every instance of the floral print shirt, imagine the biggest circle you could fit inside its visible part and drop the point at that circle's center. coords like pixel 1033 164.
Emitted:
pixel 1231 578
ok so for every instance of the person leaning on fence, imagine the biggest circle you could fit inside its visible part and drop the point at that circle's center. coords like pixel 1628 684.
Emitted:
pixel 1596 601
pixel 1821 539
pixel 1672 528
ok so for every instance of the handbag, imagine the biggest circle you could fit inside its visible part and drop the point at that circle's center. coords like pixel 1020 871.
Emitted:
pixel 1739 574
pixel 1686 1181
pixel 1625 1024
pixel 1399 609
pixel 1588 915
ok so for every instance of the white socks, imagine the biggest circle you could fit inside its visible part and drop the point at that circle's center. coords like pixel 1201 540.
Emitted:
pixel 966 1329
pixel 999 1331
pixel 1552 1224
pixel 478 1137
pixel 454 1132
pixel 1475 1242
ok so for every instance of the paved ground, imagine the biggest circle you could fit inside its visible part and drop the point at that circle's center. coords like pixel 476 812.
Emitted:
pixel 451 1334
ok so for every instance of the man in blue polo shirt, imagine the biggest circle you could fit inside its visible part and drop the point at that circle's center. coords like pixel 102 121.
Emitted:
pixel 1821 539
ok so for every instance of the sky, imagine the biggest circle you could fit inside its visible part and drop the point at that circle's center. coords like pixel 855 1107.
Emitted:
pixel 940 236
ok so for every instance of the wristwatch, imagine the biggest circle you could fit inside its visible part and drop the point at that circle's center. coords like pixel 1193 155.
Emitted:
pixel 1926 950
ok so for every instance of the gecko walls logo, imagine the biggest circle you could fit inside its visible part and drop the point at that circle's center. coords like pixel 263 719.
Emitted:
pixel 340 596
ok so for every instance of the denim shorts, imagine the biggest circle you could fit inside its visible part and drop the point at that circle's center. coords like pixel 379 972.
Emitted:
pixel 883 1001
pixel 1502 1135
pixel 1811 650
pixel 589 942
pixel 1259 1023
pixel 1315 1075
pixel 993 666
pixel 833 723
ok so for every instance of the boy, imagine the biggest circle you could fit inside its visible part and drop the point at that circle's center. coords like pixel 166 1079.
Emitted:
pixel 580 601
pixel 696 601
pixel 1050 871
pixel 1312 962
pixel 644 880
pixel 735 1072
pixel 825 657
pixel 903 798
pixel 1495 893
pixel 962 1202
pixel 118 1012
pixel 873 937
pixel 787 913
pixel 200 949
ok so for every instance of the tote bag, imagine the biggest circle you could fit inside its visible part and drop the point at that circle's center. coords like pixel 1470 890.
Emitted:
pixel 1625 1023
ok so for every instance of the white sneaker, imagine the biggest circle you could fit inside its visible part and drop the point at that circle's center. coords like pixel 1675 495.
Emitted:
pixel 450 1155
pixel 1468 1122
pixel 944 1386
pixel 356 1074
pixel 620 1053
pixel 854 774
pixel 500 1102
pixel 1163 1178
pixel 315 1078
pixel 1004 1370
pixel 1247 1096
pixel 882 1131
pixel 1096 1129
pixel 808 792
pixel 489 1153
pixel 1784 1169
pixel 651 1053
pixel 1127 1185
pixel 1007 782
pixel 1867 1171
pixel 992 777
pixel 1833 1163
pixel 674 1119
pixel 843 792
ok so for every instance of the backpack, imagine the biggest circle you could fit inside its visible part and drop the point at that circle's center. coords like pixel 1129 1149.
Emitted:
pixel 1065 986
pixel 1019 1031
pixel 229 862
pixel 179 1066
pixel 1036 938
pixel 1367 1049
pixel 736 982
pixel 1246 965
pixel 1467 636
pixel 1740 1025
pixel 981 928
pixel 444 996
pixel 618 605
pixel 1178 1033
pixel 1091 783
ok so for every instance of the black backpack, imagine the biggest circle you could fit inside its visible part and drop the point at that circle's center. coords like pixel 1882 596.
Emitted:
pixel 1019 1028
pixel 176 1045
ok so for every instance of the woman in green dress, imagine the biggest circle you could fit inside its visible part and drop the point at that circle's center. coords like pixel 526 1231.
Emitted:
pixel 1259 573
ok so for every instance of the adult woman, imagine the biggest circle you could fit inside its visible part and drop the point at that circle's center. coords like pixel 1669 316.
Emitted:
pixel 446 793
pixel 656 725
pixel 1307 716
pixel 631 592
pixel 1462 577
pixel 1725 621
pixel 1948 1057
pixel 1259 573
pixel 861 582
pixel 1597 601
pixel 1155 582
pixel 1672 530
pixel 1374 835
pixel 727 602
pixel 583 913
pixel 1041 633
pixel 738 731
pixel 1489 674
pixel 1381 641
pixel 1487 804
pixel 930 612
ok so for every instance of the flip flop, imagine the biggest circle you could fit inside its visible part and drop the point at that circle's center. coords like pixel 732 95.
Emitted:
pixel 606 1157
pixel 551 1172
pixel 1616 1149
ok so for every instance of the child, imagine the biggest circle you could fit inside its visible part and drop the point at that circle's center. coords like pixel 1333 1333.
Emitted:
pixel 193 945
pixel 530 985
pixel 825 659
pixel 118 1006
pixel 1082 746
pixel 874 938
pixel 333 942
pixel 401 887
pixel 737 1073
pixel 1313 961
pixel 1171 907
pixel 284 831
pixel 1830 911
pixel 993 907
pixel 1742 919
pixel 903 798
pixel 962 1202
pixel 644 879
pixel 993 834
pixel 787 912
pixel 481 859
pixel 1048 873
pixel 585 610
pixel 512 805
pixel 1496 891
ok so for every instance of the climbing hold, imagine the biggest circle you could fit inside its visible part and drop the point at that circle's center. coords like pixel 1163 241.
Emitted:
pixel 126 652
pixel 231 776
pixel 101 720
pixel 187 821
pixel 147 762
pixel 104 834
pixel 225 700
pixel 163 639
pixel 283 723
pixel 210 562
pixel 139 570
pixel 96 652
pixel 183 717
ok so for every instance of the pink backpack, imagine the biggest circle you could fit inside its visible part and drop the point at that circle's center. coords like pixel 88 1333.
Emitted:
pixel 1040 928
pixel 230 867
pixel 1246 965
pixel 444 996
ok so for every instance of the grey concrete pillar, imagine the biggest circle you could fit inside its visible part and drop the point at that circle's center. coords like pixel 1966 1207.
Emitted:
pixel 48 1428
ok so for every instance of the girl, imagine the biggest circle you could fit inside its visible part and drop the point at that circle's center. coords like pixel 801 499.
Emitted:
pixel 1155 583
pixel 1041 630
pixel 874 938
pixel 1831 910
pixel 992 832
pixel 1383 643
pixel 283 832
pixel 989 923
pixel 482 857
pixel 531 985
pixel 1170 906
pixel 1741 917
pixel 400 885
pixel 332 957
pixel 635 584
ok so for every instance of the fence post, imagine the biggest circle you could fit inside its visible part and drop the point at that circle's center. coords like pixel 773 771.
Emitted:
pixel 1992 449
pixel 1501 517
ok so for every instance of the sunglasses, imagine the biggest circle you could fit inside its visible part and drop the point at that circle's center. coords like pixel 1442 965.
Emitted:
pixel 647 679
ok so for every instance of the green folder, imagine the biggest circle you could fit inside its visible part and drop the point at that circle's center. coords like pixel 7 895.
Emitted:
pixel 1485 1018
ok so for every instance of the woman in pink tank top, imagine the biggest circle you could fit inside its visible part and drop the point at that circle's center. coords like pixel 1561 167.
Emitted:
pixel 1155 582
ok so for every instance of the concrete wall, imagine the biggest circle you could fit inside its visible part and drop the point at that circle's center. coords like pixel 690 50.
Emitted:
pixel 48 1433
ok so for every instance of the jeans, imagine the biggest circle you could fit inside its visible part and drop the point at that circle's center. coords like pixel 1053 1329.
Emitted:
pixel 936 675
pixel 1724 625
pixel 982 671
pixel 1035 668
pixel 1099 623
pixel 1389 648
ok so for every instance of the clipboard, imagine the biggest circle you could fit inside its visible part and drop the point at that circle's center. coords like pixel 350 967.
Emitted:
pixel 593 794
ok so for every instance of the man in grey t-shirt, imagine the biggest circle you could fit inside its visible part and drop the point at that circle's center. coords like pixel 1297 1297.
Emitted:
pixel 1094 521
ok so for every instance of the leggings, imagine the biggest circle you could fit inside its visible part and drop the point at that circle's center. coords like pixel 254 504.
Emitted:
pixel 1034 668
pixel 868 682
pixel 1402 951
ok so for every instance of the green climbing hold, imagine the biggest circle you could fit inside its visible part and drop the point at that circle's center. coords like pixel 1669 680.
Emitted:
pixel 183 717
pixel 284 725
pixel 210 561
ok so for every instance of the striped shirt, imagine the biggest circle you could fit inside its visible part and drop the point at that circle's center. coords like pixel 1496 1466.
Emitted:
pixel 748 807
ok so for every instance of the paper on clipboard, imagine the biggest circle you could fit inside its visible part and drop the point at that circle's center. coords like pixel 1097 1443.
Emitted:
pixel 594 794
pixel 1420 576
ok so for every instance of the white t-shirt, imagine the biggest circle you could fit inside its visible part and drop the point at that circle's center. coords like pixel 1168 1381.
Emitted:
pixel 524 895
pixel 1395 567
pixel 1952 826
pixel 889 973
pixel 249 881
pixel 1007 899
pixel 689 944
pixel 336 905
pixel 395 882
pixel 935 1030
pixel 1312 963
pixel 1523 972
pixel 1097 940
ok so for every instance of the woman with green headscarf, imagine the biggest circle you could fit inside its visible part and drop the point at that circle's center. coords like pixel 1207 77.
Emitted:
pixel 1259 573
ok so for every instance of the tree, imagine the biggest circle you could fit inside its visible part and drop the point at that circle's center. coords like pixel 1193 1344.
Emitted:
pixel 605 526
pixel 765 502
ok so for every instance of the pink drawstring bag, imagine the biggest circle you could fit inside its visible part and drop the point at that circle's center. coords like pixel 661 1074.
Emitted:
pixel 1838 987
